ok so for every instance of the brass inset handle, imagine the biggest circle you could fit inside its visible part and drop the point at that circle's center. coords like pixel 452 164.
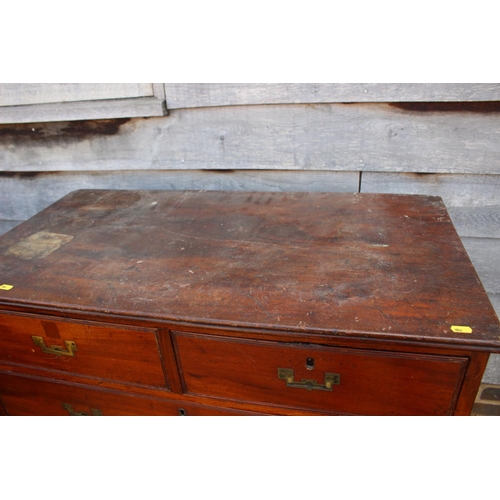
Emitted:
pixel 54 349
pixel 69 408
pixel 287 374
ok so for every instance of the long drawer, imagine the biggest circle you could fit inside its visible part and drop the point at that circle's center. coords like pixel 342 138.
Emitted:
pixel 351 381
pixel 23 395
pixel 122 354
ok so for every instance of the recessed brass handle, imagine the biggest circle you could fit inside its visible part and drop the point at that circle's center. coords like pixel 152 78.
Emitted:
pixel 54 349
pixel 73 413
pixel 287 374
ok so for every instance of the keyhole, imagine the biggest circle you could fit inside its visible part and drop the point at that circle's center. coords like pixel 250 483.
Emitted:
pixel 182 412
pixel 310 363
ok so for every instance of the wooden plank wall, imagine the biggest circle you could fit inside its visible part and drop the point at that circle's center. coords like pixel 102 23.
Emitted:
pixel 439 139
pixel 55 102
pixel 19 94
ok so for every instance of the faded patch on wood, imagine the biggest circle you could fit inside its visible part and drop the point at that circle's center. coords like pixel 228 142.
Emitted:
pixel 38 245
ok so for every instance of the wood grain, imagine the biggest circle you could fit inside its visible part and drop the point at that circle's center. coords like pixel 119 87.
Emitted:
pixel 19 94
pixel 25 195
pixel 473 201
pixel 38 396
pixel 134 354
pixel 339 137
pixel 188 95
pixel 247 371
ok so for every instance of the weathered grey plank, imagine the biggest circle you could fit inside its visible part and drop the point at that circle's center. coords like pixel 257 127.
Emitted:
pixel 159 91
pixel 7 225
pixel 356 137
pixel 492 372
pixel 485 255
pixel 25 195
pixel 19 94
pixel 495 302
pixel 191 95
pixel 83 110
pixel 473 201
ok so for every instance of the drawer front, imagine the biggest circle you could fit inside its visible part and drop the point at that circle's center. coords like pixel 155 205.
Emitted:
pixel 27 396
pixel 349 381
pixel 103 351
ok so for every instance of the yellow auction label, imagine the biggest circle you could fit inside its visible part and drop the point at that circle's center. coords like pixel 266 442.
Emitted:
pixel 6 287
pixel 461 329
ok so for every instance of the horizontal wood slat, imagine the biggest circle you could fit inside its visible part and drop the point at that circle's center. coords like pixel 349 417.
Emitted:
pixel 25 195
pixel 83 110
pixel 473 201
pixel 357 137
pixel 19 94
pixel 190 95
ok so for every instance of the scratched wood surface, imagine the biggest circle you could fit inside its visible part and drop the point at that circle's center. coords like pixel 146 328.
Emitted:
pixel 187 95
pixel 383 266
pixel 473 201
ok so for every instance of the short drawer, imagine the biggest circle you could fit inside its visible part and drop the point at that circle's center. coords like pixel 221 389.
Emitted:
pixel 114 353
pixel 337 380
pixel 22 395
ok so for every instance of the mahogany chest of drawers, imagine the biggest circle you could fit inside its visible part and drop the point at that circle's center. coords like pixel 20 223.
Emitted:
pixel 232 303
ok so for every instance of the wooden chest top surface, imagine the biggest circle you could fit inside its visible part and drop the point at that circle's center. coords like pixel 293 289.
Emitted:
pixel 364 265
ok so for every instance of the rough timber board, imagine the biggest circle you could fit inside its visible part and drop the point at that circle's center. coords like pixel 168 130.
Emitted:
pixel 25 195
pixel 357 137
pixel 188 95
pixel 83 110
pixel 19 94
pixel 473 201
